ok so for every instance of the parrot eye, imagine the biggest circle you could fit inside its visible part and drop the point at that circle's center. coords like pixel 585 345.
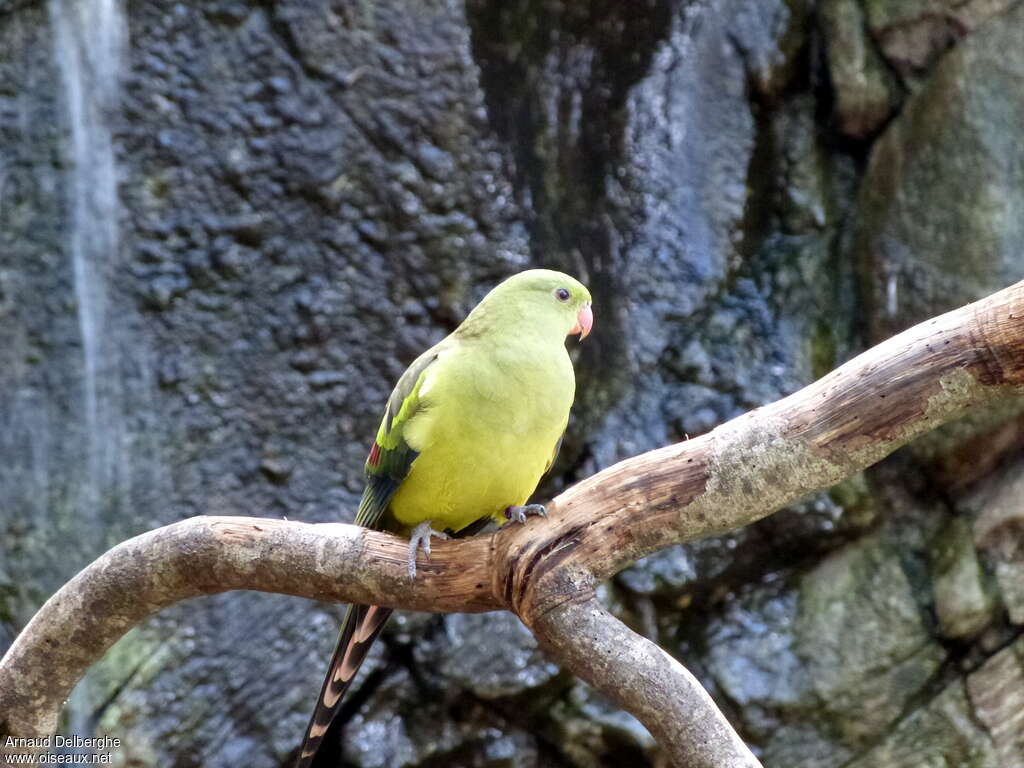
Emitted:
pixel 562 294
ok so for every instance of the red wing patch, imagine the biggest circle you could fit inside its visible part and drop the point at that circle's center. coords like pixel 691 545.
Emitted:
pixel 374 458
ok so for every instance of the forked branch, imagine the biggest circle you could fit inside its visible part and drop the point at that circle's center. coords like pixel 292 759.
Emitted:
pixel 546 570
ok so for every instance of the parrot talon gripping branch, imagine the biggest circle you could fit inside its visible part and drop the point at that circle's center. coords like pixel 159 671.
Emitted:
pixel 519 514
pixel 419 538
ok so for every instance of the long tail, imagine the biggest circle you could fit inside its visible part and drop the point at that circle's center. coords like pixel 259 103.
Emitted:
pixel 361 626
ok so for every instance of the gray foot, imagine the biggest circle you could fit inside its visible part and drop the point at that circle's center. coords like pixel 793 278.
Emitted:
pixel 519 514
pixel 420 539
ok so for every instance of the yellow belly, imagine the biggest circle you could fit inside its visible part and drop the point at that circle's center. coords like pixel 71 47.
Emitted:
pixel 485 485
pixel 483 444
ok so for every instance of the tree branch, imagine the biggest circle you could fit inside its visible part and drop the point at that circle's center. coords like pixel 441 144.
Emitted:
pixel 640 677
pixel 546 570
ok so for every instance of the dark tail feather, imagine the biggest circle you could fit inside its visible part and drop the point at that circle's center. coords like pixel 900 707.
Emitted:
pixel 361 626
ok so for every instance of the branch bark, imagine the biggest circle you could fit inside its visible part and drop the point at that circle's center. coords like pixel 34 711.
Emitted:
pixel 546 570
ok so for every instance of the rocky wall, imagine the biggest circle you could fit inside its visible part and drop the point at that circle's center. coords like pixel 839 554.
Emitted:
pixel 308 193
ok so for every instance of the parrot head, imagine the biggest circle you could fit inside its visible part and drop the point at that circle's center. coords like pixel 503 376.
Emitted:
pixel 554 301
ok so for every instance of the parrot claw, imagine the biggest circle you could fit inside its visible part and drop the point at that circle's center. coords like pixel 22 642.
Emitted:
pixel 420 539
pixel 519 514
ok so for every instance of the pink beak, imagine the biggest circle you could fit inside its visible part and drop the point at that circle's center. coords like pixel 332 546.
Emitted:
pixel 584 322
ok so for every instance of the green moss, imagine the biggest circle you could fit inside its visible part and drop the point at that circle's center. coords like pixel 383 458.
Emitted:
pixel 964 601
pixel 863 640
pixel 136 658
pixel 821 348
pixel 6 603
pixel 942 733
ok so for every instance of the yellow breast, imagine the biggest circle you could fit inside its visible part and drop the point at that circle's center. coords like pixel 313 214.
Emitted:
pixel 485 435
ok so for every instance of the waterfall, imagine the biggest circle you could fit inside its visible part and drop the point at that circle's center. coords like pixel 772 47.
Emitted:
pixel 89 38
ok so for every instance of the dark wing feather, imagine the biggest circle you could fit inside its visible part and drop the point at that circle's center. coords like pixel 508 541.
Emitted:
pixel 391 456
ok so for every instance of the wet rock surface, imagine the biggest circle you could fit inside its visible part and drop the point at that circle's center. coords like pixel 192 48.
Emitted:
pixel 926 245
pixel 310 193
pixel 866 92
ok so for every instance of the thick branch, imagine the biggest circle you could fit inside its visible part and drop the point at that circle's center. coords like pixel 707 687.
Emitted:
pixel 545 570
pixel 205 556
pixel 642 678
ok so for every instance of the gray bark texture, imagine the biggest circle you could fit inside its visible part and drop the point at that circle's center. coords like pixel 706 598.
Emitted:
pixel 226 227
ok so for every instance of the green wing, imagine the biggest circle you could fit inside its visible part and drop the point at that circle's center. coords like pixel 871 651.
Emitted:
pixel 391 456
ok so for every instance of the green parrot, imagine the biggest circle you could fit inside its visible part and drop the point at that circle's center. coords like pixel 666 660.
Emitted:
pixel 468 432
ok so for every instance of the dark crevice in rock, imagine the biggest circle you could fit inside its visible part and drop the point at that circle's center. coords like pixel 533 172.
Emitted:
pixel 556 79
pixel 582 60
